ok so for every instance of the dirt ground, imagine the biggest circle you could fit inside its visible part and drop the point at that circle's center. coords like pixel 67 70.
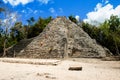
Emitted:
pixel 92 69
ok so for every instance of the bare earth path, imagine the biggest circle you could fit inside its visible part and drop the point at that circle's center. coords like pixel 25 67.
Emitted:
pixel 93 69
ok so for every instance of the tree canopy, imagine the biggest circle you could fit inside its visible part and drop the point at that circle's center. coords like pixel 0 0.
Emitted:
pixel 107 34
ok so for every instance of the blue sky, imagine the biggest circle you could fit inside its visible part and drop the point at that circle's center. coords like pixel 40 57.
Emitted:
pixel 83 9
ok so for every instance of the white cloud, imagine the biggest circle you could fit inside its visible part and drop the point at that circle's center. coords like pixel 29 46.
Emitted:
pixel 105 1
pixel 9 20
pixel 13 17
pixel 24 11
pixel 101 13
pixel 98 6
pixel 17 2
pixel 10 17
pixel 52 10
pixel 35 11
pixel 23 2
pixel 30 10
pixel 60 10
pixel 44 1
pixel 41 11
pixel 77 17
pixel 5 20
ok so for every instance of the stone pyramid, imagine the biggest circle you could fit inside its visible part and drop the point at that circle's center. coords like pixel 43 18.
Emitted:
pixel 62 38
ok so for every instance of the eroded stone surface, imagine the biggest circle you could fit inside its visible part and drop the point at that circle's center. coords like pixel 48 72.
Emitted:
pixel 62 38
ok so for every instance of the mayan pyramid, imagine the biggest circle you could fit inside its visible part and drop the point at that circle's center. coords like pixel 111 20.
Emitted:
pixel 62 38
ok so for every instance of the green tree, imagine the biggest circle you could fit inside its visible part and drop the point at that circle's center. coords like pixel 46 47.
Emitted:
pixel 31 21
pixel 18 31
pixel 1 30
pixel 114 23
pixel 1 8
pixel 107 34
pixel 7 22
pixel 38 27
pixel 72 18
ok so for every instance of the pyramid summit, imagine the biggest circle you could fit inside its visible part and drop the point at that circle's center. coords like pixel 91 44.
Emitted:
pixel 61 38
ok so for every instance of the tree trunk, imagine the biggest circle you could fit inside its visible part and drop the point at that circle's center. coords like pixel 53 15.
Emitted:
pixel 117 50
pixel 4 54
